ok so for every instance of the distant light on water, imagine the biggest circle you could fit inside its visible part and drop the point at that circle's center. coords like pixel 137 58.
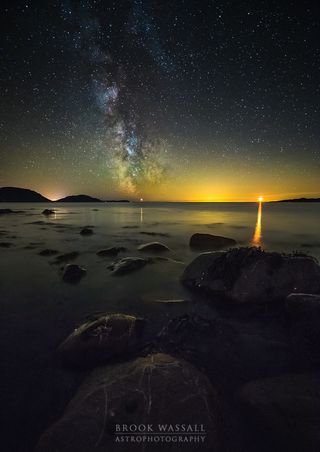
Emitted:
pixel 257 236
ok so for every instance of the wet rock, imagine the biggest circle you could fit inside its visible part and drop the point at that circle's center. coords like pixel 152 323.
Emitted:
pixel 48 252
pixel 231 352
pixel 284 412
pixel 73 273
pixel 160 234
pixel 86 231
pixel 112 251
pixel 209 242
pixel 66 257
pixel 251 275
pixel 156 389
pixel 153 247
pixel 304 315
pixel 48 212
pixel 105 338
pixel 127 265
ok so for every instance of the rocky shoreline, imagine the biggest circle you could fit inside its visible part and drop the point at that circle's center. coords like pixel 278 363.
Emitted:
pixel 251 374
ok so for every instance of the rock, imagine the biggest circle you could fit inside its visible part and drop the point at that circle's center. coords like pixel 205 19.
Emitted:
pixel 48 212
pixel 112 251
pixel 86 231
pixel 252 275
pixel 5 244
pixel 153 247
pixel 160 234
pixel 48 252
pixel 209 242
pixel 66 257
pixel 96 342
pixel 127 265
pixel 156 389
pixel 304 315
pixel 73 273
pixel 5 211
pixel 231 352
pixel 284 412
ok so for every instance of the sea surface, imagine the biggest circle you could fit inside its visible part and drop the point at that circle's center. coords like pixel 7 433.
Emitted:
pixel 38 310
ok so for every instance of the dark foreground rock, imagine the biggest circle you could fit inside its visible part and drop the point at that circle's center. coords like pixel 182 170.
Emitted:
pixel 96 342
pixel 86 231
pixel 284 412
pixel 304 315
pixel 73 273
pixel 127 265
pixel 48 212
pixel 112 251
pixel 252 275
pixel 153 247
pixel 231 352
pixel 156 389
pixel 209 242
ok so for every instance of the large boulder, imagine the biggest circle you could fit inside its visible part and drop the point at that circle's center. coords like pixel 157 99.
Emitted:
pixel 209 242
pixel 304 315
pixel 97 341
pixel 252 275
pixel 283 413
pixel 120 408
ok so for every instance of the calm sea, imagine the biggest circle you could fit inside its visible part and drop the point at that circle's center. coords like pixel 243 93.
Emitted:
pixel 38 310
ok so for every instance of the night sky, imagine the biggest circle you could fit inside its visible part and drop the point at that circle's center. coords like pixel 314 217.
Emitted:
pixel 188 100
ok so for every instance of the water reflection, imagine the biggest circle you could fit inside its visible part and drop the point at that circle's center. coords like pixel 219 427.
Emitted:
pixel 257 237
pixel 141 215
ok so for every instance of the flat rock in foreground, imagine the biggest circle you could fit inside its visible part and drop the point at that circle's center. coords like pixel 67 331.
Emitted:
pixel 252 275
pixel 209 242
pixel 153 247
pixel 156 389
pixel 286 410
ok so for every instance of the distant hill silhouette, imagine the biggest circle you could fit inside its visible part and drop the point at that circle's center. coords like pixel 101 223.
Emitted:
pixel 300 200
pixel 79 198
pixel 15 194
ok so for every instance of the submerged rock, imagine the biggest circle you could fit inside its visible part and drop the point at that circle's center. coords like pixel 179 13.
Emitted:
pixel 66 257
pixel 156 389
pixel 5 211
pixel 86 231
pixel 209 242
pixel 284 412
pixel 127 265
pixel 48 212
pixel 160 234
pixel 153 247
pixel 98 341
pixel 252 275
pixel 112 251
pixel 73 273
pixel 5 244
pixel 48 252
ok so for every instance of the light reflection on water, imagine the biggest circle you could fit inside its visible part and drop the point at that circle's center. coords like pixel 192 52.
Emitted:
pixel 257 237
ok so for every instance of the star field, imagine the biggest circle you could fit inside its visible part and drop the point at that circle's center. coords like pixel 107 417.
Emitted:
pixel 187 100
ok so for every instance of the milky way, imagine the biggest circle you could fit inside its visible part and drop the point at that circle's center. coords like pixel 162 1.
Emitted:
pixel 161 99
